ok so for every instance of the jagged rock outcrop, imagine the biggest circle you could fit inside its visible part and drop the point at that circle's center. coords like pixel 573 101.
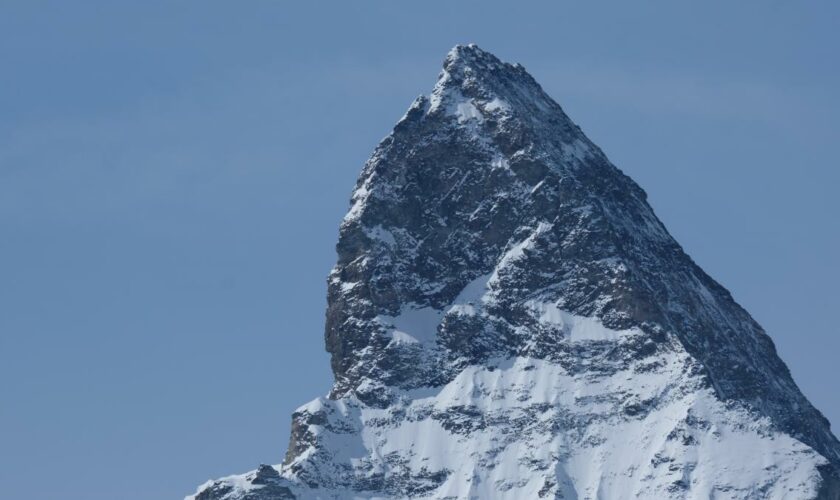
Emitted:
pixel 509 319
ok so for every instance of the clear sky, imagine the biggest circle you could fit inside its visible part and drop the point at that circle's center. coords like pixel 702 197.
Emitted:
pixel 172 176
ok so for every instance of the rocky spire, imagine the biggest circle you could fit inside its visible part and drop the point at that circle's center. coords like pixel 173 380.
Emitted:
pixel 501 285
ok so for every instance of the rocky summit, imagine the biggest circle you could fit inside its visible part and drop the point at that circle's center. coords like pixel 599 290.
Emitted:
pixel 508 319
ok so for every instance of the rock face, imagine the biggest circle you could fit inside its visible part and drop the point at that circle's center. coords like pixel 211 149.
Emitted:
pixel 509 319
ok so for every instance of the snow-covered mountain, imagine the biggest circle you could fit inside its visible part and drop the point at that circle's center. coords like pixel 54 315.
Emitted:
pixel 509 319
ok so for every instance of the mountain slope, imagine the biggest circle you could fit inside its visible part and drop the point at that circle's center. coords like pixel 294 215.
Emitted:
pixel 509 319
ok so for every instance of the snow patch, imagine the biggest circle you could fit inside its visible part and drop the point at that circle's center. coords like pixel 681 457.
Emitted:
pixel 381 234
pixel 466 111
pixel 360 196
pixel 474 291
pixel 576 328
pixel 500 162
pixel 578 149
pixel 517 251
pixel 413 325
pixel 496 105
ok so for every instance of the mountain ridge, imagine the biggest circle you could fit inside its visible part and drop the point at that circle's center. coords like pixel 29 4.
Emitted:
pixel 497 276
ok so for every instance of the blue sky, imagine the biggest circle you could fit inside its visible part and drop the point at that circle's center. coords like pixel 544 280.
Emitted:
pixel 172 176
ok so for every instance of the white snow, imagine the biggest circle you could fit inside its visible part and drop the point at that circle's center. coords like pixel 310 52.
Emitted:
pixel 568 435
pixel 472 297
pixel 578 149
pixel 474 291
pixel 496 104
pixel 359 198
pixel 380 233
pixel 413 325
pixel 576 328
pixel 500 162
pixel 466 110
pixel 517 251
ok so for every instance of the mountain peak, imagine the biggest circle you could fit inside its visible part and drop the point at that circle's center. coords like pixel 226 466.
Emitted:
pixel 500 105
pixel 489 186
pixel 508 318
pixel 471 57
pixel 474 74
